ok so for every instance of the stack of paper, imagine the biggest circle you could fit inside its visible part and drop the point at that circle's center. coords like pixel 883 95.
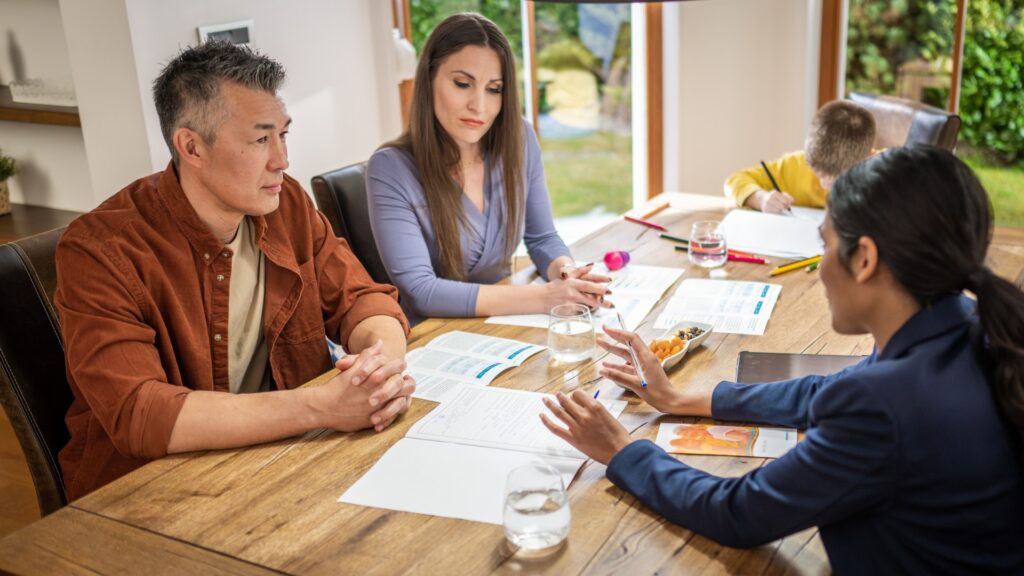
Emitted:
pixel 635 290
pixel 463 358
pixel 454 462
pixel 731 307
pixel 773 234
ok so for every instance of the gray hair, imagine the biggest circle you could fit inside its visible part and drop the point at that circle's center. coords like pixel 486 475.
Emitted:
pixel 187 91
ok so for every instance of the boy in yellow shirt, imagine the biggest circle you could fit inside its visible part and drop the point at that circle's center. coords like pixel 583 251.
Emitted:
pixel 841 136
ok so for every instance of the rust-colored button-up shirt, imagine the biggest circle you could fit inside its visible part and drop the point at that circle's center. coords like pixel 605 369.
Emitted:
pixel 142 294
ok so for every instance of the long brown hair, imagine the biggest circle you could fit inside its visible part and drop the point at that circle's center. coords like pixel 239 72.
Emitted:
pixel 437 155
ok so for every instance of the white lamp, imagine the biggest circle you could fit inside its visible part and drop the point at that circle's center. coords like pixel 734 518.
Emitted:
pixel 404 61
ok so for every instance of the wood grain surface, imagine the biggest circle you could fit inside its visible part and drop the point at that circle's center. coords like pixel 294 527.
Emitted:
pixel 275 505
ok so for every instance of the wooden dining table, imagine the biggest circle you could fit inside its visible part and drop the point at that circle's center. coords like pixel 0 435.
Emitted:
pixel 273 508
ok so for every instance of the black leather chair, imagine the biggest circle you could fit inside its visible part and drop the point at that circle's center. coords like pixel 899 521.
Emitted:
pixel 341 196
pixel 34 390
pixel 901 122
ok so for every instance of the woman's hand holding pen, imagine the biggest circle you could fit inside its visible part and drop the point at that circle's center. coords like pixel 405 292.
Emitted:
pixel 659 392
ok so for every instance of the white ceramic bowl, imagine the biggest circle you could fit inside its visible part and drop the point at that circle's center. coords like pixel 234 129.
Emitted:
pixel 674 359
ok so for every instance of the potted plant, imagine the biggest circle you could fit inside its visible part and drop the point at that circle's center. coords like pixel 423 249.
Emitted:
pixel 7 169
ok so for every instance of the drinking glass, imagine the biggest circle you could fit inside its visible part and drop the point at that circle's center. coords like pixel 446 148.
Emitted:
pixel 536 507
pixel 707 244
pixel 570 332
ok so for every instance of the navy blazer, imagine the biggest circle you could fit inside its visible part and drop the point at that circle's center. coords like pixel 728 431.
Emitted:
pixel 906 465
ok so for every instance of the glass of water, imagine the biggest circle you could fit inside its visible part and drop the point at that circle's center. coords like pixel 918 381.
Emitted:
pixel 536 507
pixel 707 244
pixel 570 333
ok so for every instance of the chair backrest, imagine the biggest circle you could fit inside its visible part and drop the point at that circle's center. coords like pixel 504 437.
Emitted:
pixel 34 390
pixel 901 122
pixel 341 196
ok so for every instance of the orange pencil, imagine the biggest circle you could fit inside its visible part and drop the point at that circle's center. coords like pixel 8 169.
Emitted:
pixel 655 210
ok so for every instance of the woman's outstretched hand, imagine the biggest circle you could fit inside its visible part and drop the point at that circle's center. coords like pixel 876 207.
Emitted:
pixel 589 427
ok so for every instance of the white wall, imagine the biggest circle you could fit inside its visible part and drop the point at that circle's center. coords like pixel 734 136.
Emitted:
pixel 51 159
pixel 331 49
pixel 339 90
pixel 740 85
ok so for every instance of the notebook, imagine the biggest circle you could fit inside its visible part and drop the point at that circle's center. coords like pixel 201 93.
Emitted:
pixel 754 367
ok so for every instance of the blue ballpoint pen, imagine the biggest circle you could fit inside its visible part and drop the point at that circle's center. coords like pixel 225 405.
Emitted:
pixel 632 354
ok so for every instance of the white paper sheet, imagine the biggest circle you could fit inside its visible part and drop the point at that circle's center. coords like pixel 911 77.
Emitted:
pixel 636 290
pixel 498 418
pixel 731 307
pixel 443 479
pixel 773 234
pixel 454 461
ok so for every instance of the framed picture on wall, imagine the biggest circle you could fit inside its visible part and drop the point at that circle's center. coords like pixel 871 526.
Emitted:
pixel 235 32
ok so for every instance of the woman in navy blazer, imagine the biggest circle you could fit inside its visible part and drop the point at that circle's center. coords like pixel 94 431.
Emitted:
pixel 912 458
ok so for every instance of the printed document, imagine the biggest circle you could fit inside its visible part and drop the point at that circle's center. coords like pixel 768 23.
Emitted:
pixel 731 307
pixel 775 234
pixel 454 462
pixel 726 440
pixel 636 290
pixel 463 358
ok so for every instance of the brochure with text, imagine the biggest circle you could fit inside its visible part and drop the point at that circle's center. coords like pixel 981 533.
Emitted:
pixel 463 358
pixel 726 440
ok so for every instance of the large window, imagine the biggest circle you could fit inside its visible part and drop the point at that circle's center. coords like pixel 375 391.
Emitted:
pixel 584 82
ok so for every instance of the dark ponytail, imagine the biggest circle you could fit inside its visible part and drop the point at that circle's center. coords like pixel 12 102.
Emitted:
pixel 932 222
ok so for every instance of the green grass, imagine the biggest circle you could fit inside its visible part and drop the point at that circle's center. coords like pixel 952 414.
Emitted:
pixel 590 171
pixel 1005 186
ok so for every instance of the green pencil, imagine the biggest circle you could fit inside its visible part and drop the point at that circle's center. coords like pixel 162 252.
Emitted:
pixel 674 238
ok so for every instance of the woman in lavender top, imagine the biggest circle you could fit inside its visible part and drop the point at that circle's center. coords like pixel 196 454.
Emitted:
pixel 451 198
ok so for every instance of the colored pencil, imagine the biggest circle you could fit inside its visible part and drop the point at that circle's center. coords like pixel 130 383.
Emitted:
pixel 655 210
pixel 646 223
pixel 730 252
pixel 674 238
pixel 793 266
pixel 775 184
pixel 746 259
pixel 813 267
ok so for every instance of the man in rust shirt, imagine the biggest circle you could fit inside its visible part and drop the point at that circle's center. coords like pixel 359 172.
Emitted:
pixel 212 278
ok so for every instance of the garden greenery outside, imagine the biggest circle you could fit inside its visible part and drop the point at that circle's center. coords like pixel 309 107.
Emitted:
pixel 592 167
pixel 883 34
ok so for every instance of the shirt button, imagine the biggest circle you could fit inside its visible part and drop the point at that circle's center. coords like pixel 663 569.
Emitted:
pixel 217 337
pixel 206 256
pixel 220 277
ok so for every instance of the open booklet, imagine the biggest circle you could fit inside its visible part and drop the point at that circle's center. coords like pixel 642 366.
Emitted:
pixel 726 440
pixel 732 307
pixel 463 358
pixel 636 289
pixel 454 461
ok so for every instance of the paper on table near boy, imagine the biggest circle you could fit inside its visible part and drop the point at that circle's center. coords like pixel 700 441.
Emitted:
pixel 774 234
pixel 454 462
pixel 726 440
pixel 636 289
pixel 731 307
pixel 463 358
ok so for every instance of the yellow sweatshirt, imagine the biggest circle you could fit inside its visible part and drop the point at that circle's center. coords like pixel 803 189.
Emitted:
pixel 793 174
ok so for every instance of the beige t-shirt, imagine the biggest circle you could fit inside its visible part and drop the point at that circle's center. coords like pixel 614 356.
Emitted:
pixel 247 350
